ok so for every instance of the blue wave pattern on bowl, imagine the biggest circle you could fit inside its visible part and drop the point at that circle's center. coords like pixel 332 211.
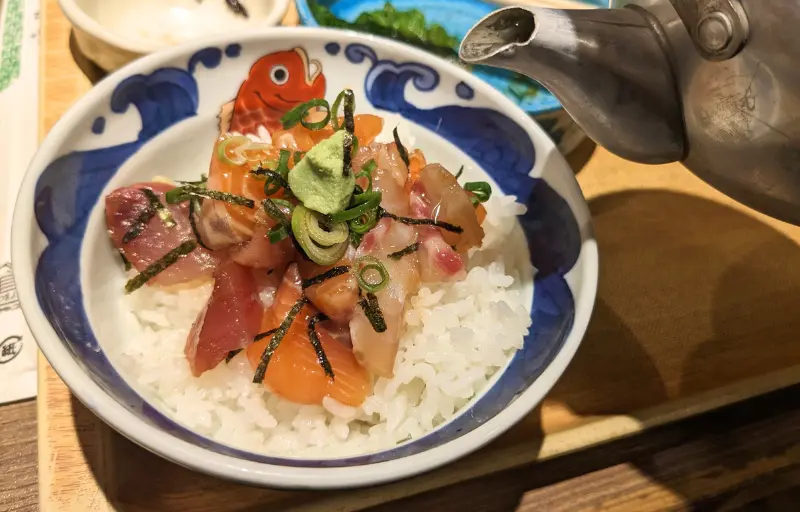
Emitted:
pixel 457 17
pixel 70 187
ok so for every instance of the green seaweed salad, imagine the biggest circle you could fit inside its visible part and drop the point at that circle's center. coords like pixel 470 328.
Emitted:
pixel 411 28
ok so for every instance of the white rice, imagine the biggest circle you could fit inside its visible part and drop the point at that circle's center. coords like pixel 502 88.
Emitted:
pixel 457 336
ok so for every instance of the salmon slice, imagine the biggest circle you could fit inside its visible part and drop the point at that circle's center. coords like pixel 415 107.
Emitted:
pixel 294 371
pixel 229 321
pixel 336 297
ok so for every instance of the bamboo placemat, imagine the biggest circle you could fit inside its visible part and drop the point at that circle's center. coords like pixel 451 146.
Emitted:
pixel 697 308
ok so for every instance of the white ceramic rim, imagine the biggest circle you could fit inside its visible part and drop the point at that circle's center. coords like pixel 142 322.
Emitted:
pixel 88 24
pixel 228 467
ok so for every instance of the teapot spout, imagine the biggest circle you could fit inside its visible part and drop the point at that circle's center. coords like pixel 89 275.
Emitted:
pixel 608 67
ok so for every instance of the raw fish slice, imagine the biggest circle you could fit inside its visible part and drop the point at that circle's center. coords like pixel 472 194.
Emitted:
pixel 389 177
pixel 229 321
pixel 337 296
pixel 123 207
pixel 378 351
pixel 294 371
pixel 259 252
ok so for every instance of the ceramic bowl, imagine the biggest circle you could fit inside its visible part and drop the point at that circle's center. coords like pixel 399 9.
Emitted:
pixel 457 17
pixel 159 115
pixel 114 33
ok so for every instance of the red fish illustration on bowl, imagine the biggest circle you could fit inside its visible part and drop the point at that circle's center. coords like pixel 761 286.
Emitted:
pixel 277 83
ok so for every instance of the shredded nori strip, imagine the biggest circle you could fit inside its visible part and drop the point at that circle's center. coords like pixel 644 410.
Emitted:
pixel 261 336
pixel 221 196
pixel 460 172
pixel 328 274
pixel 373 312
pixel 317 344
pixel 139 225
pixel 273 211
pixel 400 148
pixel 232 354
pixel 276 177
pixel 162 211
pixel 160 265
pixel 125 262
pixel 404 252
pixel 422 222
pixel 261 370
pixel 237 7
pixel 194 207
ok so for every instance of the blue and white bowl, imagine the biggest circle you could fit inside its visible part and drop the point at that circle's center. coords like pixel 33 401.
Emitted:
pixel 163 109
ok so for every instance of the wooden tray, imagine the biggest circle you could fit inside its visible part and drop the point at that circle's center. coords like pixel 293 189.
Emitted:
pixel 697 308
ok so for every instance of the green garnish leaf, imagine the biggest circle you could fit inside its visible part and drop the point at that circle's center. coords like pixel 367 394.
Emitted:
pixel 313 337
pixel 482 191
pixel 160 265
pixel 277 337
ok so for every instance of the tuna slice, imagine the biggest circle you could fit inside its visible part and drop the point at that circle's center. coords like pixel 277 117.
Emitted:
pixel 124 208
pixel 228 322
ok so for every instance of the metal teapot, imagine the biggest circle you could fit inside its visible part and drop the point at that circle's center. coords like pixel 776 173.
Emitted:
pixel 714 84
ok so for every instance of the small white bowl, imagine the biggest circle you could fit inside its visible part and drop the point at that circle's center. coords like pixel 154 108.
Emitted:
pixel 113 33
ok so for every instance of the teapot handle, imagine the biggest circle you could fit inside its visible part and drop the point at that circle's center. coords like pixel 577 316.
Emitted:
pixel 718 28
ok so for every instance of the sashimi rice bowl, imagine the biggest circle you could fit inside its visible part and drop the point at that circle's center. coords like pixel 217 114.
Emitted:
pixel 318 265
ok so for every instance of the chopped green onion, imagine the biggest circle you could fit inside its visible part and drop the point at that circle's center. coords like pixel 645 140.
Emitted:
pixel 404 252
pixel 298 155
pixel 298 115
pixel 373 312
pixel 335 111
pixel 400 148
pixel 460 172
pixel 366 171
pixel 326 235
pixel 277 233
pixel 355 238
pixel 423 222
pixel 363 203
pixel 277 337
pixel 481 189
pixel 177 195
pixel 328 274
pixel 194 207
pixel 365 222
pixel 301 218
pixel 199 183
pixel 222 150
pixel 162 211
pixel 160 265
pixel 367 264
pixel 313 337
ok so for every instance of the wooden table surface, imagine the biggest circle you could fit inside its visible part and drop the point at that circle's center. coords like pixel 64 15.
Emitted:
pixel 743 456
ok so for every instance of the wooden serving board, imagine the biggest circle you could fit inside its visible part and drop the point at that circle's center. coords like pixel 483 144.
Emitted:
pixel 697 308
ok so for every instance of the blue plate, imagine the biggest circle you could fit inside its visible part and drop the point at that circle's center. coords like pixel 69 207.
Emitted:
pixel 457 17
